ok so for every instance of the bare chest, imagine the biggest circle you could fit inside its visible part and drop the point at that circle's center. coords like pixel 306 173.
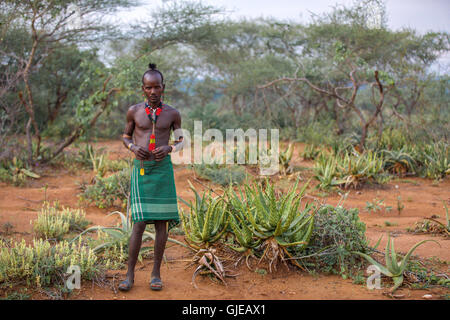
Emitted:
pixel 143 122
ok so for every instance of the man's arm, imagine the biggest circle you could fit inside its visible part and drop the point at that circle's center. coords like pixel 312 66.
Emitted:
pixel 127 136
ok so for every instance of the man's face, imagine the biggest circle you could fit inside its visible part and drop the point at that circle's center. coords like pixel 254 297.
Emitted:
pixel 153 88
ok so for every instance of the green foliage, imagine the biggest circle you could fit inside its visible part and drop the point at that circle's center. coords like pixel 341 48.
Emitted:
pixel 337 232
pixel 105 191
pixel 284 159
pixel 376 205
pixel 326 173
pixel 98 160
pixel 16 172
pixel 399 162
pixel 111 244
pixel 221 174
pixel 349 170
pixel 434 160
pixel 276 221
pixel 393 268
pixel 41 264
pixel 54 222
pixel 311 152
pixel 207 221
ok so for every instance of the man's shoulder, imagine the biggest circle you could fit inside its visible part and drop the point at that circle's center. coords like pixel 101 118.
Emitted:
pixel 136 106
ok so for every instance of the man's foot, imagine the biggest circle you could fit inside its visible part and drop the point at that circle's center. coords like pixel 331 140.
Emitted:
pixel 156 284
pixel 126 285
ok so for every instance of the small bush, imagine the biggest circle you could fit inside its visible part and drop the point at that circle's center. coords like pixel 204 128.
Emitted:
pixel 54 222
pixel 42 264
pixel 221 174
pixel 337 231
pixel 107 190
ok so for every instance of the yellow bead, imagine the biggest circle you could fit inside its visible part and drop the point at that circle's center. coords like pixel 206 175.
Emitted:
pixel 142 171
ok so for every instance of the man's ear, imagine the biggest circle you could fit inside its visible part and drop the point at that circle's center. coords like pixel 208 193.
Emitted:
pixel 164 87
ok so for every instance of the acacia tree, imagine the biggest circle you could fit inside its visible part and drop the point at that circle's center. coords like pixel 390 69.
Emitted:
pixel 345 55
pixel 51 24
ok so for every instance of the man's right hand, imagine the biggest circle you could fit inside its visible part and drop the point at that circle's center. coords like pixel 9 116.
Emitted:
pixel 140 152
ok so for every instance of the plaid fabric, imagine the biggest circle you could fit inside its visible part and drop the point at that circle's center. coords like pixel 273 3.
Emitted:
pixel 153 195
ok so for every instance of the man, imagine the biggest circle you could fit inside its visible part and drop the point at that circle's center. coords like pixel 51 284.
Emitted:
pixel 153 194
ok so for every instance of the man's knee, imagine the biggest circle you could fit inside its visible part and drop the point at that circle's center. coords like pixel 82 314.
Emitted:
pixel 139 227
pixel 161 226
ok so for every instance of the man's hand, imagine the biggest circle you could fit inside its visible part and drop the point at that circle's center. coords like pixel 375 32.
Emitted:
pixel 140 152
pixel 161 152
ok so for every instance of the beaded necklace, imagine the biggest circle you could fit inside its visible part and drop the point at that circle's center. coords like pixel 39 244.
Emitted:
pixel 153 116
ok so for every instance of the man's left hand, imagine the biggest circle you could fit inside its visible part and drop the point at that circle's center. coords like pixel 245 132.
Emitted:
pixel 161 152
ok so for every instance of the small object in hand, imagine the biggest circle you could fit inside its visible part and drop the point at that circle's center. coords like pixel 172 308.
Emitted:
pixel 427 296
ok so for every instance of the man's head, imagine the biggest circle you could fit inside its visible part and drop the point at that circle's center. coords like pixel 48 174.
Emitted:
pixel 153 84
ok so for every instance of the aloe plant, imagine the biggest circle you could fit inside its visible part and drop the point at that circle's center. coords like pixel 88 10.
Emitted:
pixel 393 268
pixel 278 221
pixel 398 162
pixel 207 221
pixel 242 229
pixel 204 226
pixel 326 173
pixel 310 152
pixel 285 158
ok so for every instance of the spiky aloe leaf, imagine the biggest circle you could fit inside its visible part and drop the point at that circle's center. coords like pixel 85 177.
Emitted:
pixel 283 243
pixel 94 228
pixel 30 173
pixel 118 234
pixel 123 219
pixel 237 232
pixel 398 280
pixel 406 257
pixel 298 223
pixel 388 260
pixel 395 268
pixel 221 233
pixel 207 225
pixel 219 221
pixel 378 242
pixel 288 210
pixel 382 268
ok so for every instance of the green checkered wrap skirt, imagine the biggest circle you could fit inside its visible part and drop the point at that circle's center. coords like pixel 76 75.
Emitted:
pixel 153 196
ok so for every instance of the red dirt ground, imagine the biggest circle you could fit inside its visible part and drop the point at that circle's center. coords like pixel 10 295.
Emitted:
pixel 421 198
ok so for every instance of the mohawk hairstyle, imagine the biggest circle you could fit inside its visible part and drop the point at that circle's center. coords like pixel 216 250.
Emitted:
pixel 152 70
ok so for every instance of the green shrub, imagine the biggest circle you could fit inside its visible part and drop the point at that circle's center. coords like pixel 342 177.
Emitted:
pixel 54 222
pixel 337 231
pixel 106 191
pixel 311 152
pixel 349 169
pixel 221 175
pixel 42 264
pixel 15 171
pixel 434 160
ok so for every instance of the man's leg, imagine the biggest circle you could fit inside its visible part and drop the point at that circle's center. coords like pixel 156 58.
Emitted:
pixel 133 248
pixel 160 245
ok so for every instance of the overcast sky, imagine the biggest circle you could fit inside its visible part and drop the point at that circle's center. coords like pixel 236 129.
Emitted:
pixel 422 15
